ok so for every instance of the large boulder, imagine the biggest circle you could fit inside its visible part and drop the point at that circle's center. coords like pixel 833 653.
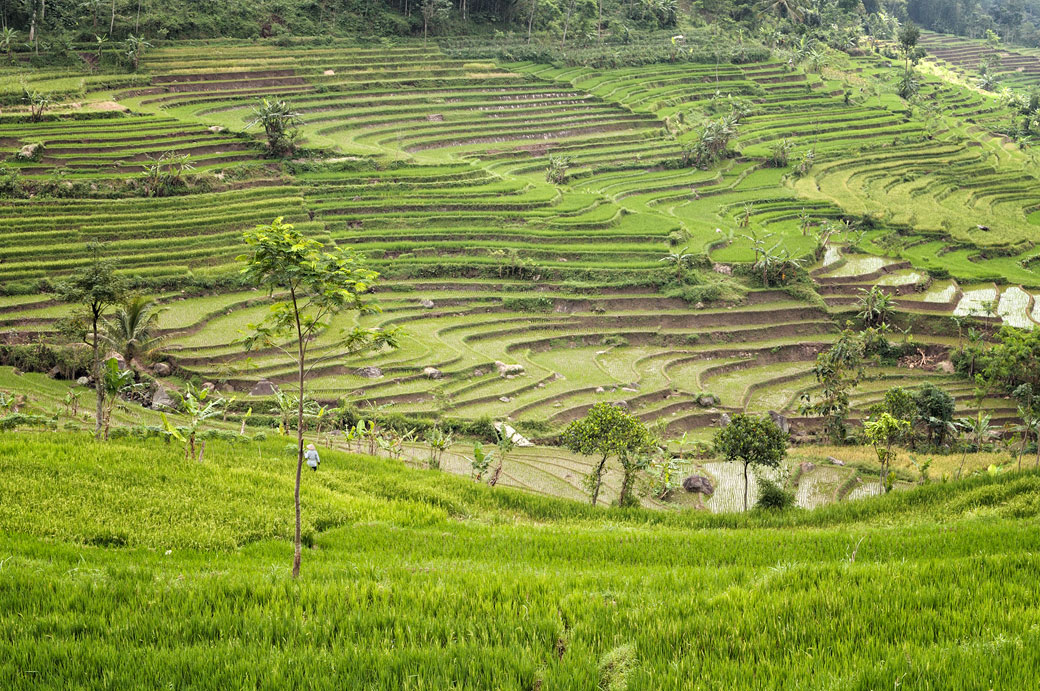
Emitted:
pixel 432 373
pixel 55 373
pixel 83 381
pixel 161 398
pixel 505 370
pixel 264 387
pixel 369 372
pixel 724 420
pixel 30 152
pixel 781 421
pixel 698 484
pixel 509 433
pixel 161 369
pixel 708 400
pixel 426 303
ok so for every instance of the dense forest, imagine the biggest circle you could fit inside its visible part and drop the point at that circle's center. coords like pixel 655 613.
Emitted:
pixel 55 21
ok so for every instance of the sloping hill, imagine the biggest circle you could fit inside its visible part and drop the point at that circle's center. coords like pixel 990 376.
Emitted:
pixel 124 565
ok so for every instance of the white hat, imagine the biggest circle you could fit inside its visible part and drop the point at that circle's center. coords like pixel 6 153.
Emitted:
pixel 310 446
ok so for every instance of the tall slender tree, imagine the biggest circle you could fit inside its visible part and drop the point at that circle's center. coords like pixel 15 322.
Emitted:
pixel 94 289
pixel 313 285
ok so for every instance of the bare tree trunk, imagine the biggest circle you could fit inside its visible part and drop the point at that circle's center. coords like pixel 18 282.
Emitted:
pixel 745 486
pixel 599 21
pixel 299 438
pixel 530 20
pixel 567 23
pixel 137 22
pixel 599 480
pixel 493 480
pixel 112 23
pixel 99 385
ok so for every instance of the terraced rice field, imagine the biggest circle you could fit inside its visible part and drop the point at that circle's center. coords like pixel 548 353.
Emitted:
pixel 433 165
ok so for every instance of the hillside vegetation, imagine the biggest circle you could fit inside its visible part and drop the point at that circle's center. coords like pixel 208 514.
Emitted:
pixel 421 580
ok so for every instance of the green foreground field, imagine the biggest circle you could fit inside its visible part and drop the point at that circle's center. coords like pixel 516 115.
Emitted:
pixel 123 565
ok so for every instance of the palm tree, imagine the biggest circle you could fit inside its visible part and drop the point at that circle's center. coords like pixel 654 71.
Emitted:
pixel 280 123
pixel 135 47
pixel 978 429
pixel 7 38
pixel 132 329
pixel 680 258
pixel 788 9
pixel 875 306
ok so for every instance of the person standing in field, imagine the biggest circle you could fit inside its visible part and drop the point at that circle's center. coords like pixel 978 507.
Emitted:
pixel 311 454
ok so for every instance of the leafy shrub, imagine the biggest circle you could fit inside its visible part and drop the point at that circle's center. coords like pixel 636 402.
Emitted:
pixel 615 667
pixel 539 304
pixel 773 496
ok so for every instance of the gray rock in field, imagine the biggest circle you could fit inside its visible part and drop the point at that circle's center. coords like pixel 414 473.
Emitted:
pixel 83 381
pixel 600 389
pixel 55 373
pixel 161 398
pixel 707 400
pixel 724 420
pixel 505 399
pixel 208 386
pixel 698 484
pixel 29 152
pixel 369 372
pixel 215 129
pixel 781 421
pixel 629 389
pixel 505 370
pixel 264 387
pixel 426 303
pixel 511 434
pixel 161 369
pixel 478 373
pixel 807 467
pixel 622 404
pixel 946 367
pixel 835 461
pixel 432 373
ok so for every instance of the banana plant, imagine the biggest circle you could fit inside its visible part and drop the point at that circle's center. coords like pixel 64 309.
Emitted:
pixel 199 408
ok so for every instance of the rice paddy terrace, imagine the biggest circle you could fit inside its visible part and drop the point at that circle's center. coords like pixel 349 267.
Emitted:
pixel 433 163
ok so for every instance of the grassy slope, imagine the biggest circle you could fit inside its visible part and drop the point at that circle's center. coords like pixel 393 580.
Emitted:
pixel 422 580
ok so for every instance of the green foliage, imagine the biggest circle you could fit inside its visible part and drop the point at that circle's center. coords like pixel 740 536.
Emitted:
pixel 711 144
pixel 615 667
pixel 281 125
pixel 772 496
pixel 93 290
pixel 753 441
pixel 605 431
pixel 839 370
pixel 875 306
pixel 1012 361
pixel 320 284
pixel 185 555
pixel 882 432
pixel 556 172
pixel 935 409
pixel 133 329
